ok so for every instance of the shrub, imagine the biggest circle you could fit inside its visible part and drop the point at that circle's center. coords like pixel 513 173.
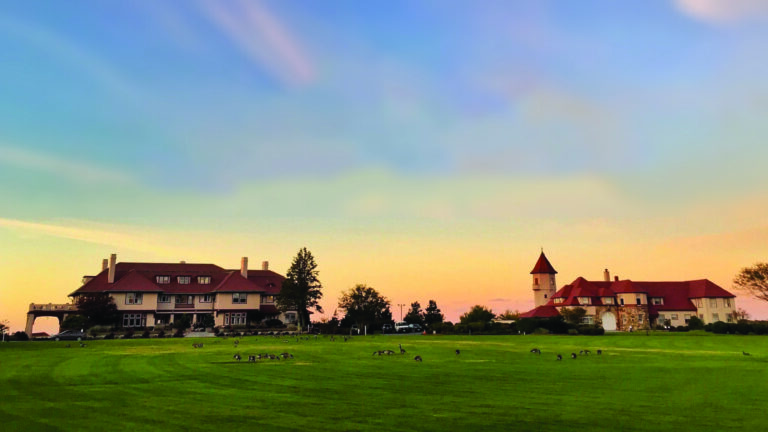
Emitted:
pixel 526 325
pixel 591 330
pixel 145 335
pixel 109 335
pixel 20 336
pixel 744 327
pixel 179 333
pixel 719 327
pixel 695 323
pixel 573 331
pixel 541 331
pixel 161 334
pixel 274 323
pixel 682 328
pixel 128 334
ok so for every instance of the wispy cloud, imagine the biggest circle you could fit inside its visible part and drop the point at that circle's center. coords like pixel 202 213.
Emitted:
pixel 74 53
pixel 113 236
pixel 723 11
pixel 65 168
pixel 262 37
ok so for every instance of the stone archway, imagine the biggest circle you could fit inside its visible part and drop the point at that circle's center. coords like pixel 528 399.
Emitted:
pixel 609 321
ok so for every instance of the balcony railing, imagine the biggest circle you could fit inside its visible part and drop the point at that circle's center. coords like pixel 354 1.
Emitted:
pixel 185 305
pixel 52 307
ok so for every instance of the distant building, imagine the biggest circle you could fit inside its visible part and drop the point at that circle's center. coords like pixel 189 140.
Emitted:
pixel 149 294
pixel 624 304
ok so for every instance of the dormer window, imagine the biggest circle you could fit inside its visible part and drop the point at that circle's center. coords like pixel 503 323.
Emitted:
pixel 608 300
pixel 204 280
pixel 183 280
pixel 558 300
pixel 585 300
pixel 658 301
pixel 162 279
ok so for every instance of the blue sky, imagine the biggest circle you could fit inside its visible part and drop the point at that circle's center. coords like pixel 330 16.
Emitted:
pixel 546 122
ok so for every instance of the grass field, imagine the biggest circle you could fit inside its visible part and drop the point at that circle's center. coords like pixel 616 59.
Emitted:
pixel 662 382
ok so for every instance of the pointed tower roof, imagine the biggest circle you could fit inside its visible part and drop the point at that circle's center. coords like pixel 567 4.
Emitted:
pixel 543 265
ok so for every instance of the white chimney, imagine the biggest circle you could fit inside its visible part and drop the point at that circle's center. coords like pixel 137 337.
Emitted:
pixel 606 275
pixel 111 276
pixel 265 265
pixel 244 267
pixel 104 264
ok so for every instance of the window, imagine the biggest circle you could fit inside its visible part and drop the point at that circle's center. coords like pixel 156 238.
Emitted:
pixel 674 316
pixel 545 296
pixel 133 298
pixel 290 317
pixel 657 300
pixel 184 280
pixel 713 303
pixel 164 298
pixel 699 304
pixel 163 279
pixel 639 300
pixel 587 319
pixel 687 318
pixel 558 300
pixel 204 280
pixel 715 317
pixel 729 317
pixel 239 298
pixel 727 302
pixel 608 300
pixel 133 320
pixel 535 281
pixel 622 301
pixel 184 299
pixel 639 319
pixel 235 318
pixel 585 300
pixel 268 299
pixel 206 298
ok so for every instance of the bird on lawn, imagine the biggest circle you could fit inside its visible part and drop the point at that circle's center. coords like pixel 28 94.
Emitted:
pixel 417 358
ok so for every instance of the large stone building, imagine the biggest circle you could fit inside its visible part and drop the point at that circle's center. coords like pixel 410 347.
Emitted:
pixel 625 304
pixel 149 294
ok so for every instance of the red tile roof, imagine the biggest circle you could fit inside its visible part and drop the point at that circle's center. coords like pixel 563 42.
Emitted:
pixel 141 277
pixel 543 266
pixel 545 311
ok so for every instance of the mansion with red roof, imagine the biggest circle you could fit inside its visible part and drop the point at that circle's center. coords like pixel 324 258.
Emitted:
pixel 625 304
pixel 149 294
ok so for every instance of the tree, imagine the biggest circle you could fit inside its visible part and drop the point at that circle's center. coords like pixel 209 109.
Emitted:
pixel 182 322
pixel 508 315
pixel 364 306
pixel 478 314
pixel 695 323
pixel 432 314
pixel 301 288
pixel 205 321
pixel 573 315
pixel 99 308
pixel 415 315
pixel 255 316
pixel 753 280
pixel 740 314
pixel 75 322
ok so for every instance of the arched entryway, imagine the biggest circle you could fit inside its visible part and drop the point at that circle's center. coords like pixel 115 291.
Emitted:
pixel 609 321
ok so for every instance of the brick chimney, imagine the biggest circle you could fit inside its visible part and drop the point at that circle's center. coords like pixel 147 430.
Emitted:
pixel 606 275
pixel 244 267
pixel 111 275
pixel 265 265
pixel 616 278
pixel 104 264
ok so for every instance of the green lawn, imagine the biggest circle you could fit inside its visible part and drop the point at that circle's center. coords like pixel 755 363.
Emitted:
pixel 662 382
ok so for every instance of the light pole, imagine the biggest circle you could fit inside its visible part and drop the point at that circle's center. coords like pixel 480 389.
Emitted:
pixel 401 310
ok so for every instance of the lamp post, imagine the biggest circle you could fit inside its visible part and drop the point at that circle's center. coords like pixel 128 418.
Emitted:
pixel 401 310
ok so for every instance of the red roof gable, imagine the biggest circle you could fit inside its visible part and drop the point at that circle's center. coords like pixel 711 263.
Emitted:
pixel 543 265
pixel 235 282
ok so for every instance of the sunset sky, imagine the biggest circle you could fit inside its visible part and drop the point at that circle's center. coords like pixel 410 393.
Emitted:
pixel 429 149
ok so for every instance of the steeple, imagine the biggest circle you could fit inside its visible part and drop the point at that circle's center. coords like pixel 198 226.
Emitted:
pixel 543 266
pixel 544 285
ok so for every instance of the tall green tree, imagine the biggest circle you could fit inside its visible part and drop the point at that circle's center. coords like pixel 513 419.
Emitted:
pixel 364 306
pixel 573 315
pixel 99 308
pixel 509 315
pixel 478 314
pixel 301 288
pixel 754 280
pixel 415 315
pixel 432 314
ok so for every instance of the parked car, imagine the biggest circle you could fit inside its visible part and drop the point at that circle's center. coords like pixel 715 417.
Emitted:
pixel 69 335
pixel 386 328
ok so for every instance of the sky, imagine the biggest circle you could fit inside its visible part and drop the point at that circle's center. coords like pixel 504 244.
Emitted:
pixel 428 149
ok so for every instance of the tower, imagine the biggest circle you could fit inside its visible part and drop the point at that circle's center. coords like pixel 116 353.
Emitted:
pixel 544 285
